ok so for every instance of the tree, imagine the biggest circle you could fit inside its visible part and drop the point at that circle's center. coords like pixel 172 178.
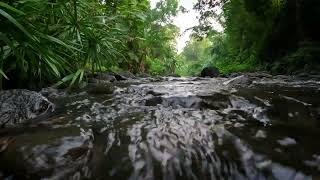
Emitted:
pixel 276 34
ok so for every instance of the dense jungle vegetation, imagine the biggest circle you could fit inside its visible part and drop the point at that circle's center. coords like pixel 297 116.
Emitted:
pixel 279 36
pixel 48 41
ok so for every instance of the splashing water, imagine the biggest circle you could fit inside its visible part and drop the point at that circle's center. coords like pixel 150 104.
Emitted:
pixel 178 128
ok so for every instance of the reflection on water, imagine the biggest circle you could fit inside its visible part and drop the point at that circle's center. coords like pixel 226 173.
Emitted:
pixel 183 128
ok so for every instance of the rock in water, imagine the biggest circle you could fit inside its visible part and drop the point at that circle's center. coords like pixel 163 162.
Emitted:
pixel 106 77
pixel 122 76
pixel 210 72
pixel 19 105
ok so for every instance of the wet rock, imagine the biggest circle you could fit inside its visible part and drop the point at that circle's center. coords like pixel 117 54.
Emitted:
pixel 61 159
pixel 315 77
pixel 282 77
pixel 287 141
pixel 210 72
pixel 122 76
pixel 97 81
pixel 144 75
pixel 260 134
pixel 101 89
pixel 157 79
pixel 215 101
pixel 242 80
pixel 174 75
pixel 154 101
pixel 182 102
pixel 233 75
pixel 302 75
pixel 173 101
pixel 259 75
pixel 106 77
pixel 245 79
pixel 315 162
pixel 154 93
pixel 19 106
pixel 52 92
pixel 76 152
pixel 85 102
pixel 238 125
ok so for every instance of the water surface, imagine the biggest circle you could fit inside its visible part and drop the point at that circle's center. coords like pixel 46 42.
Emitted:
pixel 174 128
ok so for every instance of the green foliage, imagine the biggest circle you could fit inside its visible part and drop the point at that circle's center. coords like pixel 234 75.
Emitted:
pixel 195 56
pixel 45 41
pixel 212 51
pixel 262 33
pixel 305 59
pixel 160 39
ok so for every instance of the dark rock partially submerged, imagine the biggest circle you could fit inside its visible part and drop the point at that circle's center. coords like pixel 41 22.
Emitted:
pixel 18 106
pixel 210 72
pixel 52 92
pixel 107 77
pixel 121 76
pixel 101 89
pixel 143 75
pixel 97 81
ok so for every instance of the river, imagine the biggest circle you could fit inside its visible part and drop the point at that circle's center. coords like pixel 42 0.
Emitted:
pixel 174 128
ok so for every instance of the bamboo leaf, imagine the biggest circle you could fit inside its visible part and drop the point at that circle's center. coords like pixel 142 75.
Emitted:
pixel 15 22
pixel 7 6
pixel 75 77
pixel 65 79
pixel 3 74
pixel 58 41
pixel 81 76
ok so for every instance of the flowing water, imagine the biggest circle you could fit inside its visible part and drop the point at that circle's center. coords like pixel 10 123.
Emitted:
pixel 174 128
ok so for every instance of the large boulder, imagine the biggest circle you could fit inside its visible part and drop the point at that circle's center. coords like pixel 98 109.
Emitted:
pixel 210 71
pixel 19 106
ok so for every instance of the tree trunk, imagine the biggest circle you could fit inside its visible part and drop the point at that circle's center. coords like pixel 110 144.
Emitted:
pixel 299 24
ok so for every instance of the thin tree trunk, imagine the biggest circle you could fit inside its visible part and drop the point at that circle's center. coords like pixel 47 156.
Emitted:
pixel 299 21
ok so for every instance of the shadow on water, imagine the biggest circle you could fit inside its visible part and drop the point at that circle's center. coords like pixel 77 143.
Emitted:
pixel 183 128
